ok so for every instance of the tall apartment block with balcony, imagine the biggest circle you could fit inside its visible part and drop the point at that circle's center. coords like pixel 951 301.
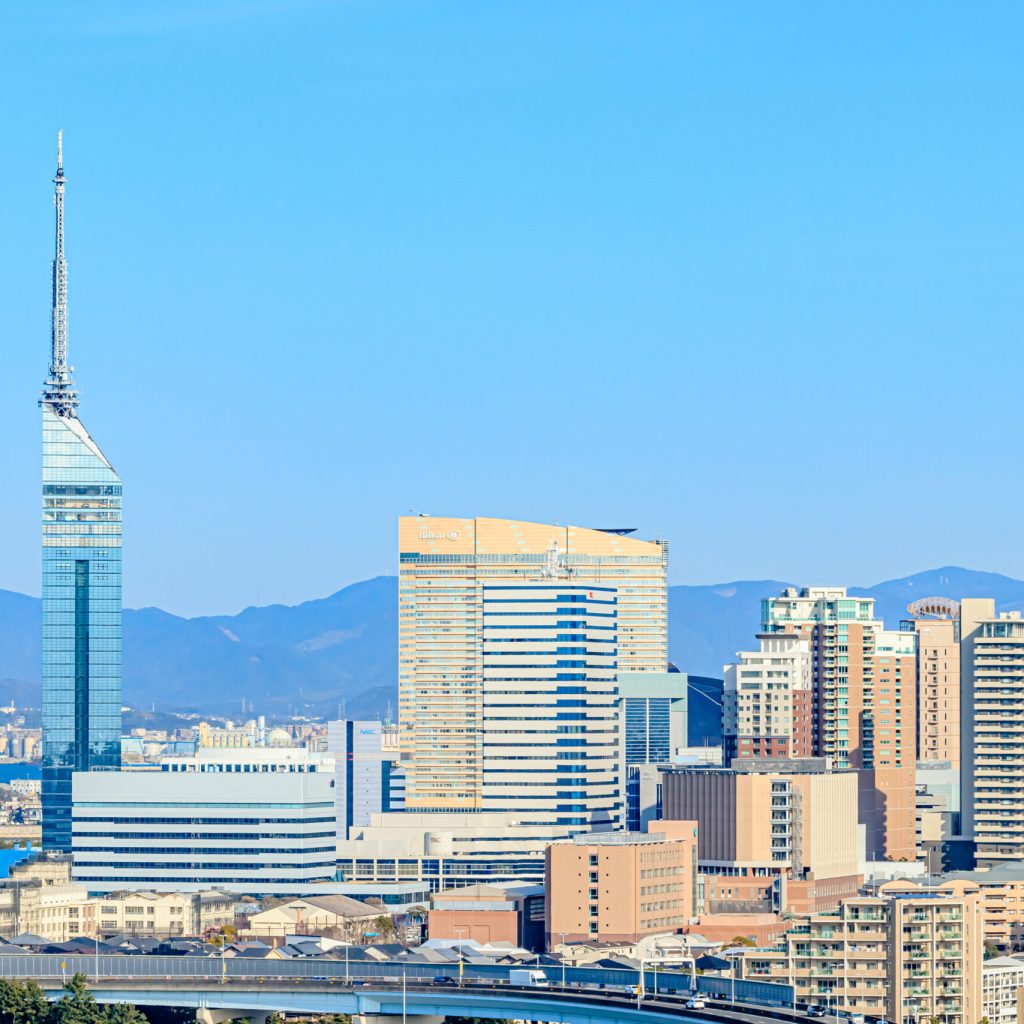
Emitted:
pixel 767 708
pixel 864 703
pixel 906 952
pixel 992 730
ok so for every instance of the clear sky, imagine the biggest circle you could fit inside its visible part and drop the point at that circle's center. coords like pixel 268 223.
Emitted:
pixel 743 275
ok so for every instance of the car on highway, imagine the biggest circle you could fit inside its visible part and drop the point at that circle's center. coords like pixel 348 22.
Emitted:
pixel 696 1004
pixel 816 1011
pixel 444 979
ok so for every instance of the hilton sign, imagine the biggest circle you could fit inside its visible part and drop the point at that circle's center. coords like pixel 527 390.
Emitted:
pixel 439 534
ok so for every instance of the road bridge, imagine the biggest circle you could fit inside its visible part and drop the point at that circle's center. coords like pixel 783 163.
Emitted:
pixel 223 989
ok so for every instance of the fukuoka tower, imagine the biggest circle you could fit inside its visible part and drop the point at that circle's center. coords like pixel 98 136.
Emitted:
pixel 81 577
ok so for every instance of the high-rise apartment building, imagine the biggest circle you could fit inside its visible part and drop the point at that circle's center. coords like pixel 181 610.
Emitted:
pixel 81 518
pixel 992 730
pixel 458 679
pixel 936 625
pixel 767 701
pixel 864 701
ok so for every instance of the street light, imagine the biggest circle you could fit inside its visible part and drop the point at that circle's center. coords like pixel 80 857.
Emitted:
pixel 563 958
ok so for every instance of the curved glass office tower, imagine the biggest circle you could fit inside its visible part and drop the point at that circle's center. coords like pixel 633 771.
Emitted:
pixel 81 581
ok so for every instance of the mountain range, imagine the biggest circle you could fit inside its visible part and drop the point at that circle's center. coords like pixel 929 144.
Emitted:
pixel 339 652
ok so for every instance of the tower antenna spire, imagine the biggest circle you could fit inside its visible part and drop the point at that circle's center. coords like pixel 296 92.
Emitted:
pixel 59 390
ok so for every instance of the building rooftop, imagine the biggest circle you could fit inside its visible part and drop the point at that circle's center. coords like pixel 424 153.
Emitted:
pixel 1009 871
pixel 765 766
pixel 617 838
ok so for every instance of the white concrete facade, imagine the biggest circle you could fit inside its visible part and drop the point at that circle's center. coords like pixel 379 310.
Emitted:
pixel 249 820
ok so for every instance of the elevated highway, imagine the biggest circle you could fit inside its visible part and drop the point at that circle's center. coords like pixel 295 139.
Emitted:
pixel 392 993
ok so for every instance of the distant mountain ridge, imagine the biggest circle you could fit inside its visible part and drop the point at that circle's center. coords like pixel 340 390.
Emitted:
pixel 341 649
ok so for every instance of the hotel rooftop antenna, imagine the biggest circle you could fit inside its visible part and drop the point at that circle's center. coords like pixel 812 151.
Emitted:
pixel 59 391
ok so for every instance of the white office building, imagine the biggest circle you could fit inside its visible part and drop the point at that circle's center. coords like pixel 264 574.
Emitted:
pixel 257 820
pixel 550 734
pixel 366 756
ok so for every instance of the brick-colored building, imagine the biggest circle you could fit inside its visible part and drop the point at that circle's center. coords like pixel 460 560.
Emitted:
pixel 489 913
pixel 621 886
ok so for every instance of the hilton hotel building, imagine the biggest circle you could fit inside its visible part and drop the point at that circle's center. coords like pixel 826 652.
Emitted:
pixel 511 637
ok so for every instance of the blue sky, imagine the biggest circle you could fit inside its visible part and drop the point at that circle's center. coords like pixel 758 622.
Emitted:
pixel 745 276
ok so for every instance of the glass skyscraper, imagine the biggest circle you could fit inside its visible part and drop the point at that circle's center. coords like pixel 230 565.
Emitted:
pixel 81 510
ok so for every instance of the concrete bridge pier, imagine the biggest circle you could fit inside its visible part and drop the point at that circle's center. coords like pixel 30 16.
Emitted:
pixel 204 1015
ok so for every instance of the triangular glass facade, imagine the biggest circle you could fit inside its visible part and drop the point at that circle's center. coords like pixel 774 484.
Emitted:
pixel 81 616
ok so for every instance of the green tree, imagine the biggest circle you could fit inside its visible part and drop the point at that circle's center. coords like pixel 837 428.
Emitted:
pixel 123 1013
pixel 742 940
pixel 22 1002
pixel 77 1005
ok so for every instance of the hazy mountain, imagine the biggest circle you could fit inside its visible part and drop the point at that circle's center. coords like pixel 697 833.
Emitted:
pixel 319 653
pixel 342 647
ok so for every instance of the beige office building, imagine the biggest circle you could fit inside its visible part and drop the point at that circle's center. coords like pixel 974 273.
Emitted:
pixel 621 886
pixel 865 695
pixel 450 674
pixel 908 953
pixel 787 823
pixel 992 730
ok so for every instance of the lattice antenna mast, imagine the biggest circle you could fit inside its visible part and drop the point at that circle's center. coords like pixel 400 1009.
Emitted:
pixel 59 392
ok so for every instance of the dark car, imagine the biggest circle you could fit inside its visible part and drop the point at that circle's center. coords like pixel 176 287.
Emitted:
pixel 816 1011
pixel 444 979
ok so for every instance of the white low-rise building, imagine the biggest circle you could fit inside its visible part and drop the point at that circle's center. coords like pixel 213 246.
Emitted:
pixel 1001 979
pixel 251 820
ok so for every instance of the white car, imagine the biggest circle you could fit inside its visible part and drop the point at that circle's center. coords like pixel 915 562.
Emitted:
pixel 696 1004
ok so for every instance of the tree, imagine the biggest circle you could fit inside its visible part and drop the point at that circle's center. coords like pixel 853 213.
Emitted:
pixel 22 1002
pixel 77 1005
pixel 742 940
pixel 123 1013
